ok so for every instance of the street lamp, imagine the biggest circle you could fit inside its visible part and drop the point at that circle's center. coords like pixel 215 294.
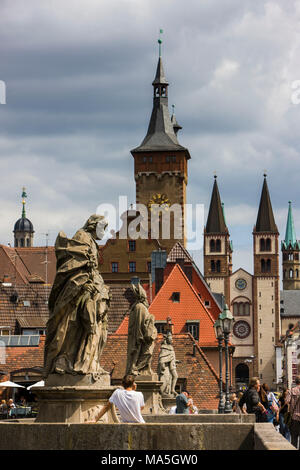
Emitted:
pixel 226 320
pixel 220 337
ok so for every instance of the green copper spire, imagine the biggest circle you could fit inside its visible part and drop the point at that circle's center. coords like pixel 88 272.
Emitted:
pixel 24 195
pixel 223 210
pixel 290 233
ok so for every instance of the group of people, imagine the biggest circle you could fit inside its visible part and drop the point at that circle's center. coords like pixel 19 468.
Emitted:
pixel 6 406
pixel 184 404
pixel 259 400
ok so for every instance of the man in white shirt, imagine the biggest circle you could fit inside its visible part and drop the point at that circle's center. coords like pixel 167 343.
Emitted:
pixel 129 402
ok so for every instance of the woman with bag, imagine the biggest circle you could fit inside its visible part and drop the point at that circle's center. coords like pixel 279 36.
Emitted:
pixel 272 407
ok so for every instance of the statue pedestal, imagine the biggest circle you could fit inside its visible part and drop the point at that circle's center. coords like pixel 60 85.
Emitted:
pixel 168 402
pixel 74 399
pixel 149 385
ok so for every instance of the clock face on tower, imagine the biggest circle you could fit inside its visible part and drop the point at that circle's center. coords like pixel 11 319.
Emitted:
pixel 160 200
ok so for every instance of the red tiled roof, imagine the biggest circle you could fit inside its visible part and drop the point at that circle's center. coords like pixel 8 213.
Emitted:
pixel 30 307
pixel 24 265
pixel 190 307
pixel 22 357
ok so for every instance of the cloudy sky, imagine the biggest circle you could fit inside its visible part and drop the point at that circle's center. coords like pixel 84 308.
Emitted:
pixel 78 78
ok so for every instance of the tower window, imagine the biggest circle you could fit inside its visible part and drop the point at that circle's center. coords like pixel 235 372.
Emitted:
pixel 291 273
pixel 290 256
pixel 268 244
pixel 114 267
pixel 297 272
pixel 218 245
pixel 263 266
pixel 132 267
pixel 212 266
pixel 218 266
pixel 131 245
pixel 268 266
pixel 212 246
pixel 262 244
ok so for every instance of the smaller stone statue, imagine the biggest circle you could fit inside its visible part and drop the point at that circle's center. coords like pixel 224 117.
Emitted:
pixel 167 367
pixel 141 335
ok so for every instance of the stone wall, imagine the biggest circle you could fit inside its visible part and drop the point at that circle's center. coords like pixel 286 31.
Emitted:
pixel 150 436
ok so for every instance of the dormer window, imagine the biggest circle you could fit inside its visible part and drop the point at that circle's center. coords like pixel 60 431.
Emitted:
pixel 176 297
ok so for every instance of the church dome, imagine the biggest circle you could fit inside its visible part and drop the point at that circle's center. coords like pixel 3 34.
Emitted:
pixel 23 225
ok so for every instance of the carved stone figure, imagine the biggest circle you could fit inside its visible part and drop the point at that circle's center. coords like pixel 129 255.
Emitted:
pixel 141 335
pixel 78 304
pixel 167 367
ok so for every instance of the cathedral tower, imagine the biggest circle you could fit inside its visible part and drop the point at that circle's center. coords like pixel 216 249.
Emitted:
pixel 217 247
pixel 160 164
pixel 290 248
pixel 23 229
pixel 266 294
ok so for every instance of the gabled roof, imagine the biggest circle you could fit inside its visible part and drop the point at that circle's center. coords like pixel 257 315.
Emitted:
pixel 216 220
pixel 265 218
pixel 190 307
pixel 178 251
pixel 25 303
pixel 25 265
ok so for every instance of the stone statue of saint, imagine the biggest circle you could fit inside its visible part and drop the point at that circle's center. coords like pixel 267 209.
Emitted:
pixel 167 367
pixel 78 304
pixel 141 335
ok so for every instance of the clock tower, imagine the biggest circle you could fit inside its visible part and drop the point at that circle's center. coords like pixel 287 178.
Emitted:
pixel 160 168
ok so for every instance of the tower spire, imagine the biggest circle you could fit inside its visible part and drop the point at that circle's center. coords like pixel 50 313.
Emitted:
pixel 216 221
pixel 290 233
pixel 24 195
pixel 161 133
pixel 265 221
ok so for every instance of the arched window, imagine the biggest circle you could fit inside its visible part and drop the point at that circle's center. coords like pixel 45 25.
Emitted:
pixel 28 242
pixel 246 308
pixel 291 257
pixel 212 266
pixel 212 246
pixel 263 266
pixel 218 245
pixel 218 266
pixel 22 241
pixel 291 274
pixel 268 266
pixel 284 274
pixel 268 244
pixel 262 244
pixel 241 309
pixel 297 272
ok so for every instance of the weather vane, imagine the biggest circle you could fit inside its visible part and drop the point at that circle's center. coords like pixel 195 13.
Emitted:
pixel 160 41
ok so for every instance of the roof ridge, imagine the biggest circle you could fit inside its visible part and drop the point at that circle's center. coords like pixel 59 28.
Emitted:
pixel 189 284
